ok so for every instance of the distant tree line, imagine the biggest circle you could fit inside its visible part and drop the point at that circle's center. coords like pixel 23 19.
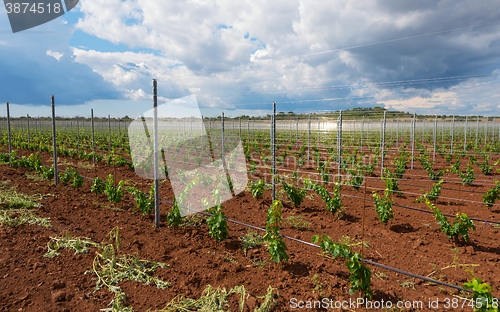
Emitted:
pixel 375 112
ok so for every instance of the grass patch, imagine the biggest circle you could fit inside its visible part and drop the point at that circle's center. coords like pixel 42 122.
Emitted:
pixel 85 165
pixel 15 208
pixel 11 199
pixel 317 285
pixel 110 268
pixel 17 217
pixel 346 240
pixel 35 176
pixel 408 284
pixel 259 263
pixel 194 220
pixel 381 275
pixel 63 162
pixel 251 240
pixel 298 223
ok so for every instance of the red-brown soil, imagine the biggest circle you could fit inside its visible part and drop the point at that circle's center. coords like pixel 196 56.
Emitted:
pixel 411 242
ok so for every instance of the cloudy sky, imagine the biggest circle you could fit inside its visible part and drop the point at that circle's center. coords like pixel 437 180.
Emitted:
pixel 432 57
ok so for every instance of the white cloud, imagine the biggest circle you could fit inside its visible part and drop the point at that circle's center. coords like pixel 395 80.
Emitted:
pixel 417 102
pixel 37 63
pixel 230 53
pixel 55 55
pixel 474 96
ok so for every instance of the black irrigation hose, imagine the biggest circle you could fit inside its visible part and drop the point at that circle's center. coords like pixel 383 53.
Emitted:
pixel 424 278
pixel 373 263
pixel 424 210
pixel 378 179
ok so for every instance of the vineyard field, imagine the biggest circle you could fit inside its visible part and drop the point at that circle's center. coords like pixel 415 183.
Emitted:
pixel 414 204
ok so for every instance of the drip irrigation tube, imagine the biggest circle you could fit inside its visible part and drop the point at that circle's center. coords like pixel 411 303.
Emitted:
pixel 373 263
pixel 425 211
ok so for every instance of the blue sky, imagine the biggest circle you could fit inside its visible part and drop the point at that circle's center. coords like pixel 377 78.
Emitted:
pixel 430 57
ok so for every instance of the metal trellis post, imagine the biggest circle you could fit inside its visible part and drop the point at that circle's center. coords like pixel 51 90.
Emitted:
pixel 109 133
pixel 155 154
pixel 435 137
pixel 318 132
pixel 78 133
pixel 362 133
pixel 465 134
pixel 485 131
pixel 339 146
pixel 397 133
pixel 273 148
pixel 382 145
pixel 308 137
pixel 93 135
pixel 413 139
pixel 452 134
pixel 297 130
pixel 477 129
pixel 28 120
pixel 9 134
pixel 54 142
